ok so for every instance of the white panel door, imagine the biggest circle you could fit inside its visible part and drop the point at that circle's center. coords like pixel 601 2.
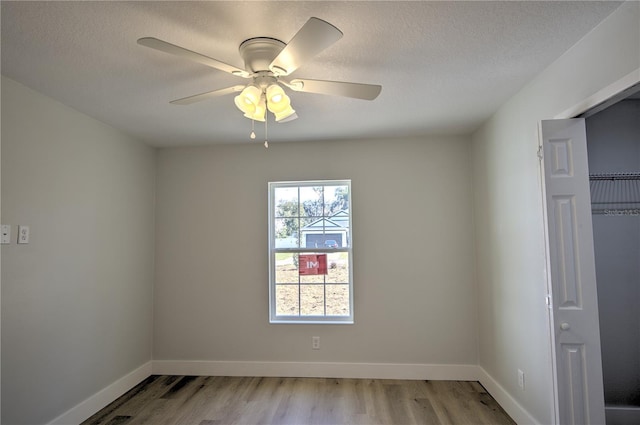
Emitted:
pixel 574 318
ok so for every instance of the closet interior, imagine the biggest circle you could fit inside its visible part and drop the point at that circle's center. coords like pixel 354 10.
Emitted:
pixel 613 144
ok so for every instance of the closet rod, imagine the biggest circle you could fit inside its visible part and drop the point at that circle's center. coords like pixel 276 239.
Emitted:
pixel 615 176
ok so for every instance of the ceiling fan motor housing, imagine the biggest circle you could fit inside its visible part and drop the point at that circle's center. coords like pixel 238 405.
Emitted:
pixel 259 52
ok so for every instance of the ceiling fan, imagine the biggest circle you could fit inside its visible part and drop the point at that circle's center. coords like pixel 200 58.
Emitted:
pixel 267 63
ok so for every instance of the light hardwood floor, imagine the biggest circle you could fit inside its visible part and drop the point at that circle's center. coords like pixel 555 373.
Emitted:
pixel 211 400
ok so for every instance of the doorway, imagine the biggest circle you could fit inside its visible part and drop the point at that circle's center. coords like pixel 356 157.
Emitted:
pixel 569 238
pixel 613 146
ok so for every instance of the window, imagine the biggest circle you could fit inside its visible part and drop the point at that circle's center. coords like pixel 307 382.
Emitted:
pixel 310 252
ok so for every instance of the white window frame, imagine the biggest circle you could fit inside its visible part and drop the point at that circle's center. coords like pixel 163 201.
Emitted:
pixel 324 319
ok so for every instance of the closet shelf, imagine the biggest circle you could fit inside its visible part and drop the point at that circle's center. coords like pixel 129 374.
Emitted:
pixel 615 193
pixel 614 176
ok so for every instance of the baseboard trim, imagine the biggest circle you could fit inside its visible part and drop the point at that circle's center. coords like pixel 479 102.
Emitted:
pixel 90 406
pixel 622 415
pixel 436 372
pixel 505 400
pixel 317 370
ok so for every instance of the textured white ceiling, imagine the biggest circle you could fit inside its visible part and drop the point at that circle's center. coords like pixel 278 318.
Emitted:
pixel 444 66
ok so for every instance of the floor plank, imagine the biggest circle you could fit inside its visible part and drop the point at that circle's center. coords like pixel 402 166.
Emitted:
pixel 220 400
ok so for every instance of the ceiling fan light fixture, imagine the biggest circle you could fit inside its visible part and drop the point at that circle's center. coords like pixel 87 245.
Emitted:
pixel 283 105
pixel 277 101
pixel 252 94
pixel 247 101
pixel 282 116
pixel 260 111
pixel 246 108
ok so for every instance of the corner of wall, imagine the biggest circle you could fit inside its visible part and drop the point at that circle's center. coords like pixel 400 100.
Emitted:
pixel 97 401
pixel 517 412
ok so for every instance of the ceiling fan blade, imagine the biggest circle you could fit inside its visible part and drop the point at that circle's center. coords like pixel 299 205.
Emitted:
pixel 314 36
pixel 335 88
pixel 172 49
pixel 208 95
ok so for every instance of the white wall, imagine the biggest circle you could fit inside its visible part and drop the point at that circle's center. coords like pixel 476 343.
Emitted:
pixel 508 208
pixel 415 298
pixel 77 300
pixel 613 141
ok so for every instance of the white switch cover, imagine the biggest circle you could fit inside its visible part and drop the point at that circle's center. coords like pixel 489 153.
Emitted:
pixel 5 234
pixel 521 379
pixel 23 234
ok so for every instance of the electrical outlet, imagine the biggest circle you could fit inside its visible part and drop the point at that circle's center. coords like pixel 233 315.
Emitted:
pixel 5 234
pixel 521 379
pixel 23 234
pixel 315 342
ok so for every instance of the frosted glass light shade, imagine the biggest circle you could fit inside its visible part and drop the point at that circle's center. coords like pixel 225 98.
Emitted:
pixel 274 94
pixel 247 108
pixel 277 100
pixel 259 112
pixel 284 114
pixel 247 101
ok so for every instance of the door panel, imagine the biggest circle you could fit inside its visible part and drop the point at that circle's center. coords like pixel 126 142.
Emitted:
pixel 567 280
pixel 574 316
pixel 573 359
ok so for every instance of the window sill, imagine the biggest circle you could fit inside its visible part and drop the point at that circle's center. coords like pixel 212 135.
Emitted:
pixel 310 322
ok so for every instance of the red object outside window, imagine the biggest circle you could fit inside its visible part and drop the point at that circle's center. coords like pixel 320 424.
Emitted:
pixel 309 264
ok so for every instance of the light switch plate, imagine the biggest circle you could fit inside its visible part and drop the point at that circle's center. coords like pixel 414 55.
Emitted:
pixel 521 379
pixel 5 234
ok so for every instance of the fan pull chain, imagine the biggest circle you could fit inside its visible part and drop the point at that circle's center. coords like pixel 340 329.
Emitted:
pixel 253 133
pixel 266 143
pixel 266 119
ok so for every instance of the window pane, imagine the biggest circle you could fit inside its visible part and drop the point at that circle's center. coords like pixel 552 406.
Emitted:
pixel 337 267
pixel 286 202
pixel 311 201
pixel 337 300
pixel 336 199
pixel 286 267
pixel 312 300
pixel 326 233
pixel 286 232
pixel 287 300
